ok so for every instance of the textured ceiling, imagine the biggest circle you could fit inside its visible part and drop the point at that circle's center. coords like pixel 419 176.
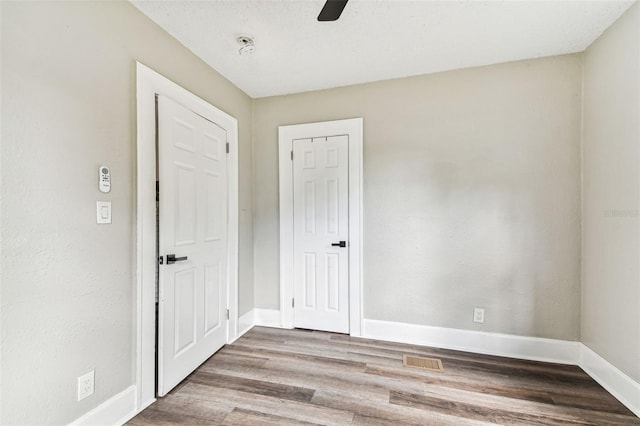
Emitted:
pixel 374 39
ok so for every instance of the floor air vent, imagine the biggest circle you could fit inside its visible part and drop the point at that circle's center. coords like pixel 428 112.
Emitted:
pixel 431 364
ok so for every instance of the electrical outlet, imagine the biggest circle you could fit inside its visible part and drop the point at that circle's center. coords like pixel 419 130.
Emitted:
pixel 86 385
pixel 478 315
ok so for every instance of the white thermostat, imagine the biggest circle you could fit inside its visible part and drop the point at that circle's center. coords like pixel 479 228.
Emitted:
pixel 104 179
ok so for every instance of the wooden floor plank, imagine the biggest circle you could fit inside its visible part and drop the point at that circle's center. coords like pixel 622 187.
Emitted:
pixel 180 408
pixel 463 410
pixel 364 408
pixel 550 412
pixel 260 387
pixel 274 376
pixel 240 416
pixel 304 412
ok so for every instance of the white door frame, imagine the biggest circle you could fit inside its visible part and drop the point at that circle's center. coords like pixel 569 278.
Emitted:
pixel 286 134
pixel 150 83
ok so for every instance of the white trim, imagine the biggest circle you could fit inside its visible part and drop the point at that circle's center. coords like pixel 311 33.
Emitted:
pixel 507 345
pixel 116 410
pixel 150 83
pixel 268 318
pixel 286 134
pixel 260 317
pixel 246 322
pixel 622 387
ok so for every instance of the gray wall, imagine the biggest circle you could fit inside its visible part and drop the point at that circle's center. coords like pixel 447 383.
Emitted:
pixel 68 285
pixel 471 195
pixel 611 195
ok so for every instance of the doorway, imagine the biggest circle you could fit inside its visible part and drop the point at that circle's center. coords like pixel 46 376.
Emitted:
pixel 321 225
pixel 149 85
pixel 192 241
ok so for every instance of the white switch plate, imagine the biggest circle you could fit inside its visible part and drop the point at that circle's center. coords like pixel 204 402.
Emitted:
pixel 478 315
pixel 86 385
pixel 103 212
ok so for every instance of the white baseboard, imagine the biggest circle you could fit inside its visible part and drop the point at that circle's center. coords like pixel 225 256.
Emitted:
pixel 115 411
pixel 267 317
pixel 624 388
pixel 260 317
pixel 529 348
pixel 245 323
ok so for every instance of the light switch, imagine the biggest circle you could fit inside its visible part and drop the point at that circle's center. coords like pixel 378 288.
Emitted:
pixel 103 211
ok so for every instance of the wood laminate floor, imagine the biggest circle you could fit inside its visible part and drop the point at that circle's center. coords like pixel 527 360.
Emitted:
pixel 298 377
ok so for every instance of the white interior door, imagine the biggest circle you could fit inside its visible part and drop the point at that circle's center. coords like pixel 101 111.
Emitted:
pixel 192 304
pixel 321 232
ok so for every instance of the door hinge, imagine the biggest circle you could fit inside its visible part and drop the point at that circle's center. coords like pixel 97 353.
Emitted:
pixel 227 147
pixel 227 314
pixel 291 155
pixel 293 303
pixel 157 190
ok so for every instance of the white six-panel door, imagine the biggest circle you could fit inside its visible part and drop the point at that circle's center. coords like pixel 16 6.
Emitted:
pixel 321 233
pixel 192 300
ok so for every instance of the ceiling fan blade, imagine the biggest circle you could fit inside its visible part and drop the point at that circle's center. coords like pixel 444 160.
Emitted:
pixel 332 10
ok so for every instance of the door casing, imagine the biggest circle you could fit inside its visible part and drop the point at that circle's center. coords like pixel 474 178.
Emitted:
pixel 286 135
pixel 148 84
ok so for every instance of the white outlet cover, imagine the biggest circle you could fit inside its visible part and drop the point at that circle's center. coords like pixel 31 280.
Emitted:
pixel 478 315
pixel 86 385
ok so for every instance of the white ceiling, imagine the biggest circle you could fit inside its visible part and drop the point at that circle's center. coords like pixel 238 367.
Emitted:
pixel 374 39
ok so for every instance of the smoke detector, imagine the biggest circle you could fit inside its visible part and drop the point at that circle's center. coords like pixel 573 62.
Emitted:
pixel 246 45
